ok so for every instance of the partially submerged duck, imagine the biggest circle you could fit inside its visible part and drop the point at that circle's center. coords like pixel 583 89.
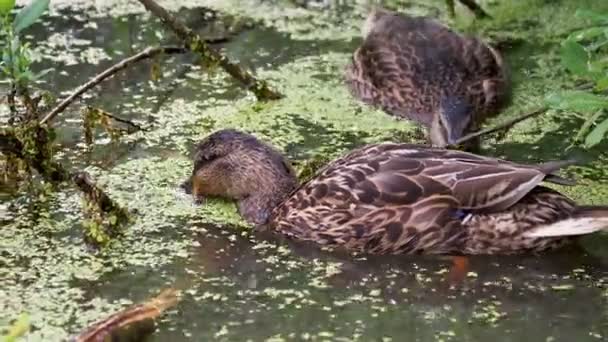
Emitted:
pixel 393 198
pixel 418 69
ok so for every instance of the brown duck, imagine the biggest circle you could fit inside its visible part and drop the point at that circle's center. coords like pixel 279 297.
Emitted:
pixel 395 198
pixel 418 69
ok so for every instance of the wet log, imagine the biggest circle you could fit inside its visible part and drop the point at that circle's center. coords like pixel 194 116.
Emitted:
pixel 198 45
pixel 131 324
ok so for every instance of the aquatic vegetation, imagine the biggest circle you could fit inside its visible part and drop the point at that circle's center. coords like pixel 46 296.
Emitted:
pixel 588 63
pixel 236 284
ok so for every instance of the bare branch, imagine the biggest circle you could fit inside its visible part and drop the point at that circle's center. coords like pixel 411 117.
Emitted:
pixel 197 44
pixel 147 53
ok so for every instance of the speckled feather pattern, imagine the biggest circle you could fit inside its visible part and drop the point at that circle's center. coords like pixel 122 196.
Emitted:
pixel 392 198
pixel 400 198
pixel 406 64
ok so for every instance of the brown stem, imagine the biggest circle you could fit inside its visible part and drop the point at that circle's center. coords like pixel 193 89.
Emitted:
pixel 133 127
pixel 147 53
pixel 475 8
pixel 197 44
pixel 503 126
pixel 10 98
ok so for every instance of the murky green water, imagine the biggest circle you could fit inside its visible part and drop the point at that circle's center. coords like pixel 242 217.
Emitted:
pixel 242 287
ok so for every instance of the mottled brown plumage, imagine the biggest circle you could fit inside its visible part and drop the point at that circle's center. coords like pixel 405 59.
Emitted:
pixel 418 69
pixel 396 198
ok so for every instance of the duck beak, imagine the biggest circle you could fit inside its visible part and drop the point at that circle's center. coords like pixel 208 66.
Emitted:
pixel 454 134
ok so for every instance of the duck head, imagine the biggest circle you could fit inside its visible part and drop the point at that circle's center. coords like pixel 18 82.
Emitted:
pixel 452 121
pixel 375 17
pixel 235 165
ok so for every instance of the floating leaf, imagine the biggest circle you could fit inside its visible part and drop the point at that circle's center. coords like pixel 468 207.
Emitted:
pixel 29 14
pixel 574 57
pixel 597 134
pixel 576 100
pixel 593 16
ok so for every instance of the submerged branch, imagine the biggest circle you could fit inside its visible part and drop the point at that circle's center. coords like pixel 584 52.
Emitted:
pixel 504 126
pixel 147 53
pixel 96 195
pixel 34 154
pixel 198 45
pixel 131 324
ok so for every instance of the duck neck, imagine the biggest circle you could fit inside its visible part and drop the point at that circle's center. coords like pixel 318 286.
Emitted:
pixel 257 208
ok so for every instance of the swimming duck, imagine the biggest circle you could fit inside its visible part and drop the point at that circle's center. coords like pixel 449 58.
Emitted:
pixel 418 69
pixel 394 198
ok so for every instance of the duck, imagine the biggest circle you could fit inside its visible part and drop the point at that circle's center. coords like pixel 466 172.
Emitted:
pixel 418 69
pixel 395 198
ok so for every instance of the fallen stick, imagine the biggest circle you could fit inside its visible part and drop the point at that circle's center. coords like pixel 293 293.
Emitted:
pixel 133 127
pixel 198 45
pixel 147 53
pixel 504 126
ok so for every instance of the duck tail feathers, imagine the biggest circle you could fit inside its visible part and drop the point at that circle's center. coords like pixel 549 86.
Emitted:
pixel 585 220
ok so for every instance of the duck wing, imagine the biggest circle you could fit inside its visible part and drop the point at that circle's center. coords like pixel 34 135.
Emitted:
pixel 480 183
pixel 401 198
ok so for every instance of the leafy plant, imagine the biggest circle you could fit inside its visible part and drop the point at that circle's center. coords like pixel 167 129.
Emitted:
pixel 583 53
pixel 16 61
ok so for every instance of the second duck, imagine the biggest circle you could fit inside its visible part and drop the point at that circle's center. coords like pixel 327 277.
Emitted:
pixel 418 69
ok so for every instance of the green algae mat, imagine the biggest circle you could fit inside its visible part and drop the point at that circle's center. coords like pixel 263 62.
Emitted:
pixel 242 287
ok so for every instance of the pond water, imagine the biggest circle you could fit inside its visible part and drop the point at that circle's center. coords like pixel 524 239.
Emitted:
pixel 241 286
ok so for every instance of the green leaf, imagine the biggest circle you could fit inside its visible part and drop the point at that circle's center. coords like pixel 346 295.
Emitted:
pixel 587 34
pixel 602 84
pixel 574 57
pixel 18 329
pixel 599 18
pixel 6 6
pixel 597 134
pixel 29 14
pixel 587 125
pixel 576 100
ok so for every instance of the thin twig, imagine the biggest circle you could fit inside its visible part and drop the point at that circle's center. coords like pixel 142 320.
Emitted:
pixel 147 53
pixel 198 45
pixel 132 125
pixel 503 126
pixel 475 8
